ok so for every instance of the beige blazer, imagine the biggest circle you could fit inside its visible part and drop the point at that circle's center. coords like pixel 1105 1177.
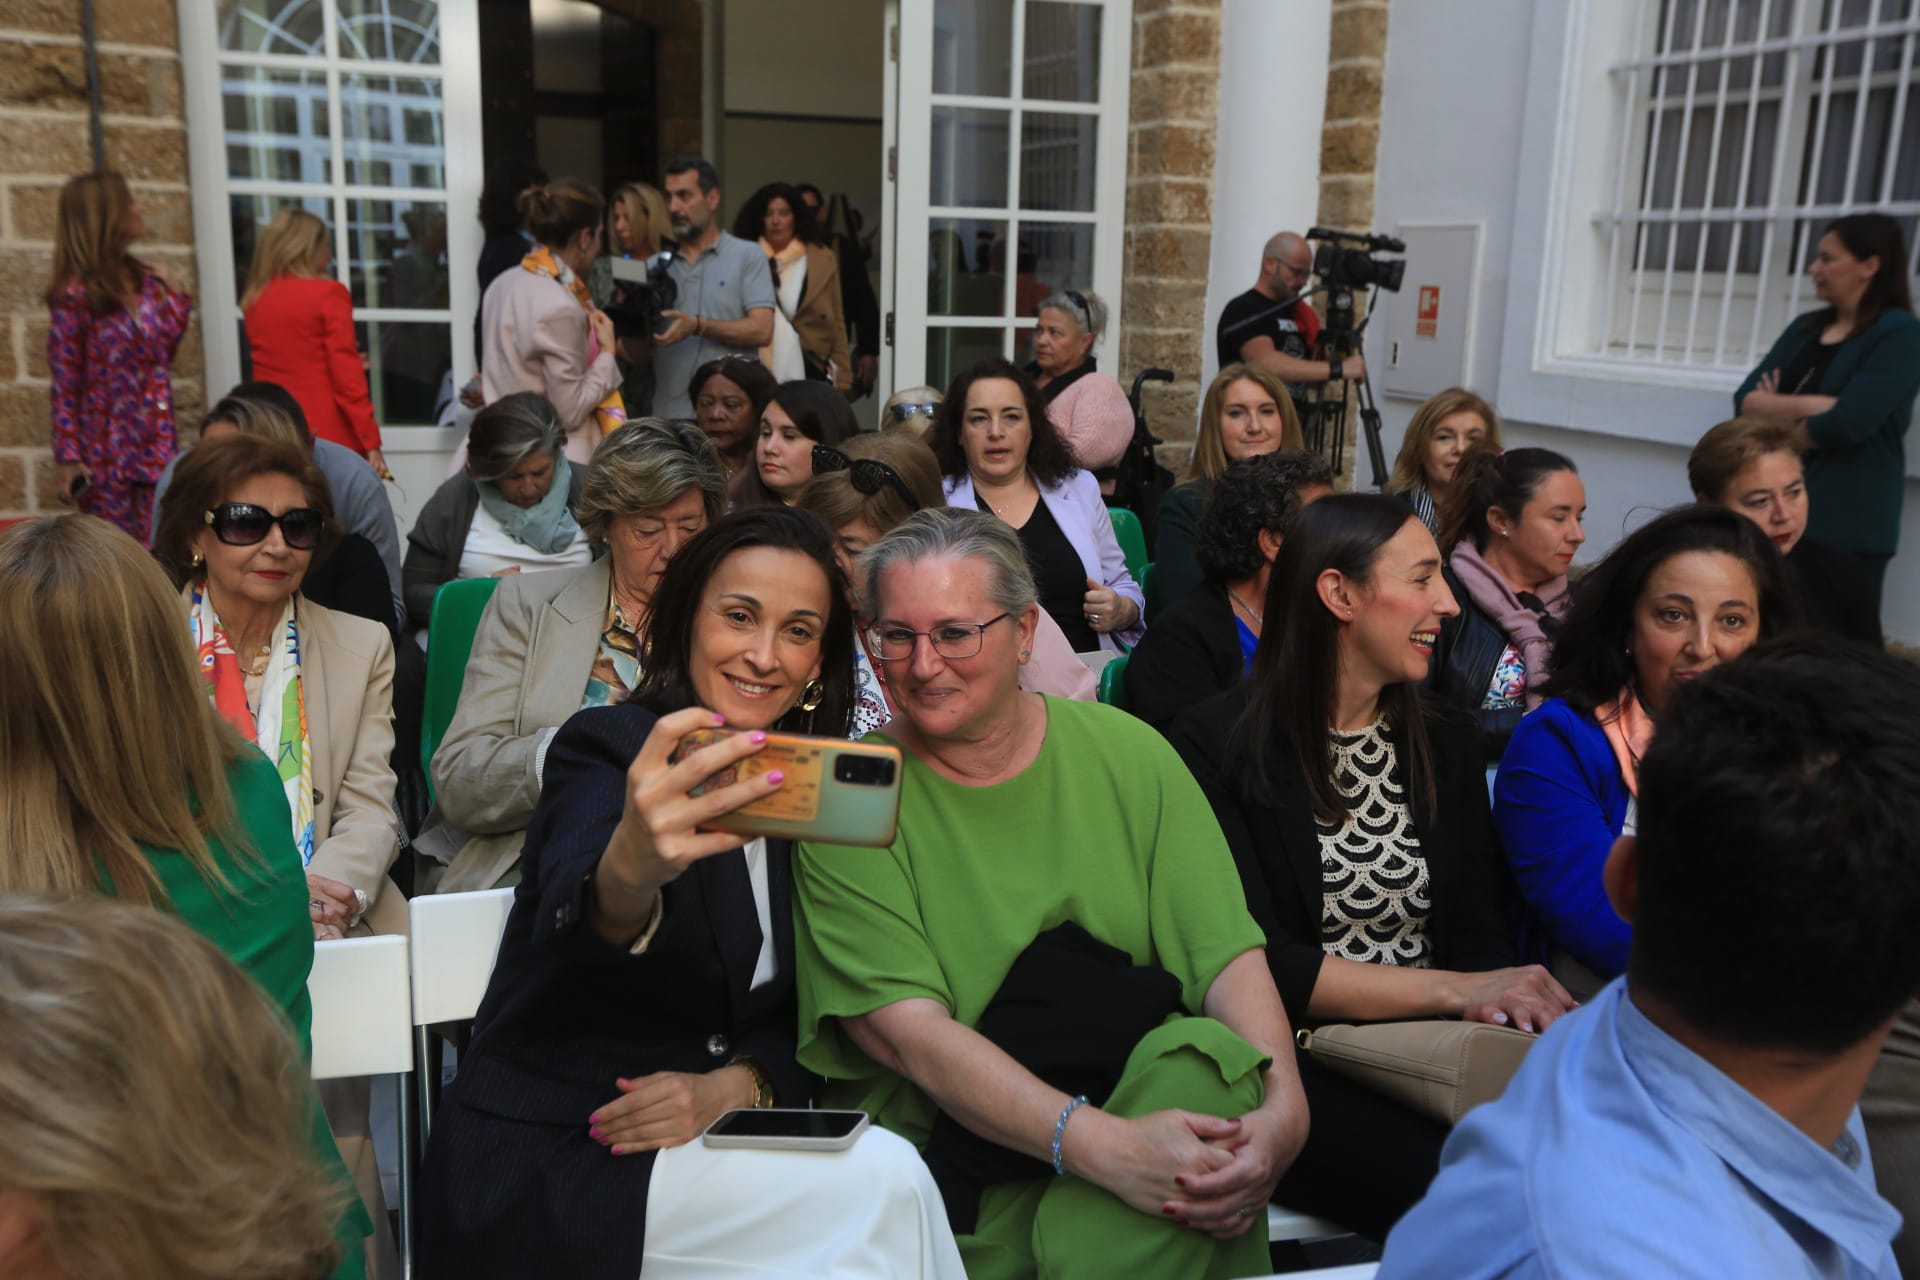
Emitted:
pixel 532 655
pixel 346 665
pixel 819 320
pixel 535 337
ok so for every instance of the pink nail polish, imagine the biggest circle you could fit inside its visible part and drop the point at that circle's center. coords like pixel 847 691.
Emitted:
pixel 775 778
pixel 718 718
pixel 757 736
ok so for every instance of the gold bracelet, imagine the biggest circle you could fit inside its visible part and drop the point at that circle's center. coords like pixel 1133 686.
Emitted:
pixel 762 1086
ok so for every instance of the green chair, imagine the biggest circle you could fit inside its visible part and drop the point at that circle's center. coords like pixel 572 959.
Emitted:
pixel 1113 681
pixel 1133 539
pixel 1154 602
pixel 457 607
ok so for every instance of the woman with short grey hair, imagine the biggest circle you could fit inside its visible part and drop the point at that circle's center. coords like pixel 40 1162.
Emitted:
pixel 1046 850
pixel 1088 408
pixel 509 510
pixel 551 644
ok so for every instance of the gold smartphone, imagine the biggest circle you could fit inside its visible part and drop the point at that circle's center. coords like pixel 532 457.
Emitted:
pixel 836 791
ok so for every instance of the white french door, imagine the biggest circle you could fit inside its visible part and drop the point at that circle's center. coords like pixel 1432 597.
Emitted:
pixel 367 113
pixel 1006 160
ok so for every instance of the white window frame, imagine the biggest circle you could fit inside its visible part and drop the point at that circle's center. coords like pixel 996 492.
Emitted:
pixel 908 131
pixel 1575 147
pixel 458 72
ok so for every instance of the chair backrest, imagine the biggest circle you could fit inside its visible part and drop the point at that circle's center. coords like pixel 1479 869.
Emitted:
pixel 1132 538
pixel 361 1020
pixel 457 607
pixel 455 937
pixel 1286 1224
pixel 1113 681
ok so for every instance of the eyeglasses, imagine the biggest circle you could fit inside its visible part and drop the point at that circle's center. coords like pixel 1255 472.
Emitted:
pixel 242 524
pixel 952 640
pixel 867 474
pixel 904 412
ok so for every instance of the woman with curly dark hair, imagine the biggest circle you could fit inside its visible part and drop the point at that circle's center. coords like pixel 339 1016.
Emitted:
pixel 1680 595
pixel 810 331
pixel 999 452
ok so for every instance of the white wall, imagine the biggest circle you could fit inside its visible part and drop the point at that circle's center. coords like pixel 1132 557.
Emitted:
pixel 1266 167
pixel 1462 140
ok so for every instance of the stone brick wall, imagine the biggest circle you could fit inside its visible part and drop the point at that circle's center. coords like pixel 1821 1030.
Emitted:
pixel 1350 144
pixel 44 140
pixel 1169 230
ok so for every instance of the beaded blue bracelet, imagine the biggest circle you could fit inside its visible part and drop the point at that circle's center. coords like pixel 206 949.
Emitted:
pixel 1060 1127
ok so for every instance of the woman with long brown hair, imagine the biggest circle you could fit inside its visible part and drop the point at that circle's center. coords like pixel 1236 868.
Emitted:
pixel 117 322
pixel 300 332
pixel 119 778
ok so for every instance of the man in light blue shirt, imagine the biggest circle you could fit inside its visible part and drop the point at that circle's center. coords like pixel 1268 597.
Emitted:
pixel 1699 1117
pixel 725 303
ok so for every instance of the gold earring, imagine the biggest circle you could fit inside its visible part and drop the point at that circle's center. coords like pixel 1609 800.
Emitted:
pixel 811 696
pixel 198 559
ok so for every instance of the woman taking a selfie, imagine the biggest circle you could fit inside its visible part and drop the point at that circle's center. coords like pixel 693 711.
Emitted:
pixel 645 982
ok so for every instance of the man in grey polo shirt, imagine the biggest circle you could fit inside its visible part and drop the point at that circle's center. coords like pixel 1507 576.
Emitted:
pixel 726 290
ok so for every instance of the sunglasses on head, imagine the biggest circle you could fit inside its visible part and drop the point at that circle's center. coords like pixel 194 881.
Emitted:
pixel 241 524
pixel 902 412
pixel 867 474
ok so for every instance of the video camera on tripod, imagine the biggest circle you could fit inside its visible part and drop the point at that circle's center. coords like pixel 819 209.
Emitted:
pixel 1345 261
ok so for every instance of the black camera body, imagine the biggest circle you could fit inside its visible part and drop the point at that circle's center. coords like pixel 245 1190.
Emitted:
pixel 642 289
pixel 1345 261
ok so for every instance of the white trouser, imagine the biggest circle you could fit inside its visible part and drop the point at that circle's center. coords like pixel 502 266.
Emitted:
pixel 869 1211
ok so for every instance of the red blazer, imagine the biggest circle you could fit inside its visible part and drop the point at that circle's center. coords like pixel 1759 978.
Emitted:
pixel 301 334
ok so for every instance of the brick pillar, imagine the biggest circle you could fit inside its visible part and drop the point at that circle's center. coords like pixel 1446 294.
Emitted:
pixel 1170 151
pixel 1349 144
pixel 44 140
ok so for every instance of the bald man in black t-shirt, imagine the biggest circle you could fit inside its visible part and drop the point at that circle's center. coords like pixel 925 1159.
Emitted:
pixel 1256 329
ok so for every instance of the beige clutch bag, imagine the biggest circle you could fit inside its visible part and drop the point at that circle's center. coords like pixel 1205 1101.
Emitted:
pixel 1439 1069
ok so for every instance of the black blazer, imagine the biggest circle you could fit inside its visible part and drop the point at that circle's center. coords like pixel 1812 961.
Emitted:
pixel 1277 849
pixel 512 1185
pixel 1463 663
pixel 1190 653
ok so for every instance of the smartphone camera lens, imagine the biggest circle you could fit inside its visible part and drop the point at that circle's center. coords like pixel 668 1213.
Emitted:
pixel 863 771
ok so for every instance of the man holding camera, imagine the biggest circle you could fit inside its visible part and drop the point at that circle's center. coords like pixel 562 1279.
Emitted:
pixel 1272 326
pixel 725 288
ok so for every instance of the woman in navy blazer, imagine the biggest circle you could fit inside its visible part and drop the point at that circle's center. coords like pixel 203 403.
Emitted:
pixel 1850 372
pixel 1000 453
pixel 636 996
pixel 1679 595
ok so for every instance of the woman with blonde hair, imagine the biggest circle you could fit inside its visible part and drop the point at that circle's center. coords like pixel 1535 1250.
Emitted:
pixel 120 779
pixel 637 226
pixel 194 1163
pixel 116 324
pixel 1441 432
pixel 300 330
pixel 1245 413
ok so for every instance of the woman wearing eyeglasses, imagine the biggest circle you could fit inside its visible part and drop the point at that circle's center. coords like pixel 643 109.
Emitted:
pixel 1049 981
pixel 1088 408
pixel 1001 454
pixel 313 689
pixel 863 491
pixel 551 644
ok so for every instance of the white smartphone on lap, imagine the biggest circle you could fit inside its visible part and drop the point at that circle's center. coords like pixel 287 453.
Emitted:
pixel 787 1129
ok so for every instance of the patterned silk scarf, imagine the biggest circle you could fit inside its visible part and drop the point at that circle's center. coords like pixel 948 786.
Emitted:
pixel 612 411
pixel 280 726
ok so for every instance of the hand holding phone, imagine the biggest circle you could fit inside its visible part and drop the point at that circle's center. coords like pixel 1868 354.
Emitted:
pixel 835 791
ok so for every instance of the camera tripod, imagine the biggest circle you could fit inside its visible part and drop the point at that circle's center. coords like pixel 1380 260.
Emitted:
pixel 1327 433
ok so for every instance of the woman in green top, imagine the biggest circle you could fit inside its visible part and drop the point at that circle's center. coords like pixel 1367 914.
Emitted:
pixel 1021 813
pixel 118 777
pixel 1849 372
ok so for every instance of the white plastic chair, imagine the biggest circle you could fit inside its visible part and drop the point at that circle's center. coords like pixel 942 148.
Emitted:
pixel 1352 1271
pixel 1285 1224
pixel 455 938
pixel 361 1021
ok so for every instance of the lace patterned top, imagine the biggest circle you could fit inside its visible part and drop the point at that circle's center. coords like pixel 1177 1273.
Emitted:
pixel 1376 896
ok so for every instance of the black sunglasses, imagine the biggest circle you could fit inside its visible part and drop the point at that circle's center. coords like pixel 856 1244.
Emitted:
pixel 867 474
pixel 1080 301
pixel 904 412
pixel 241 524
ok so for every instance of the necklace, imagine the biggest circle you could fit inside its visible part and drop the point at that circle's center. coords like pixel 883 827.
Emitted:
pixel 1251 611
pixel 258 666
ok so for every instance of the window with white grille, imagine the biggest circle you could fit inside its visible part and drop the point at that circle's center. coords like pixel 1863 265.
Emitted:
pixel 1750 125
